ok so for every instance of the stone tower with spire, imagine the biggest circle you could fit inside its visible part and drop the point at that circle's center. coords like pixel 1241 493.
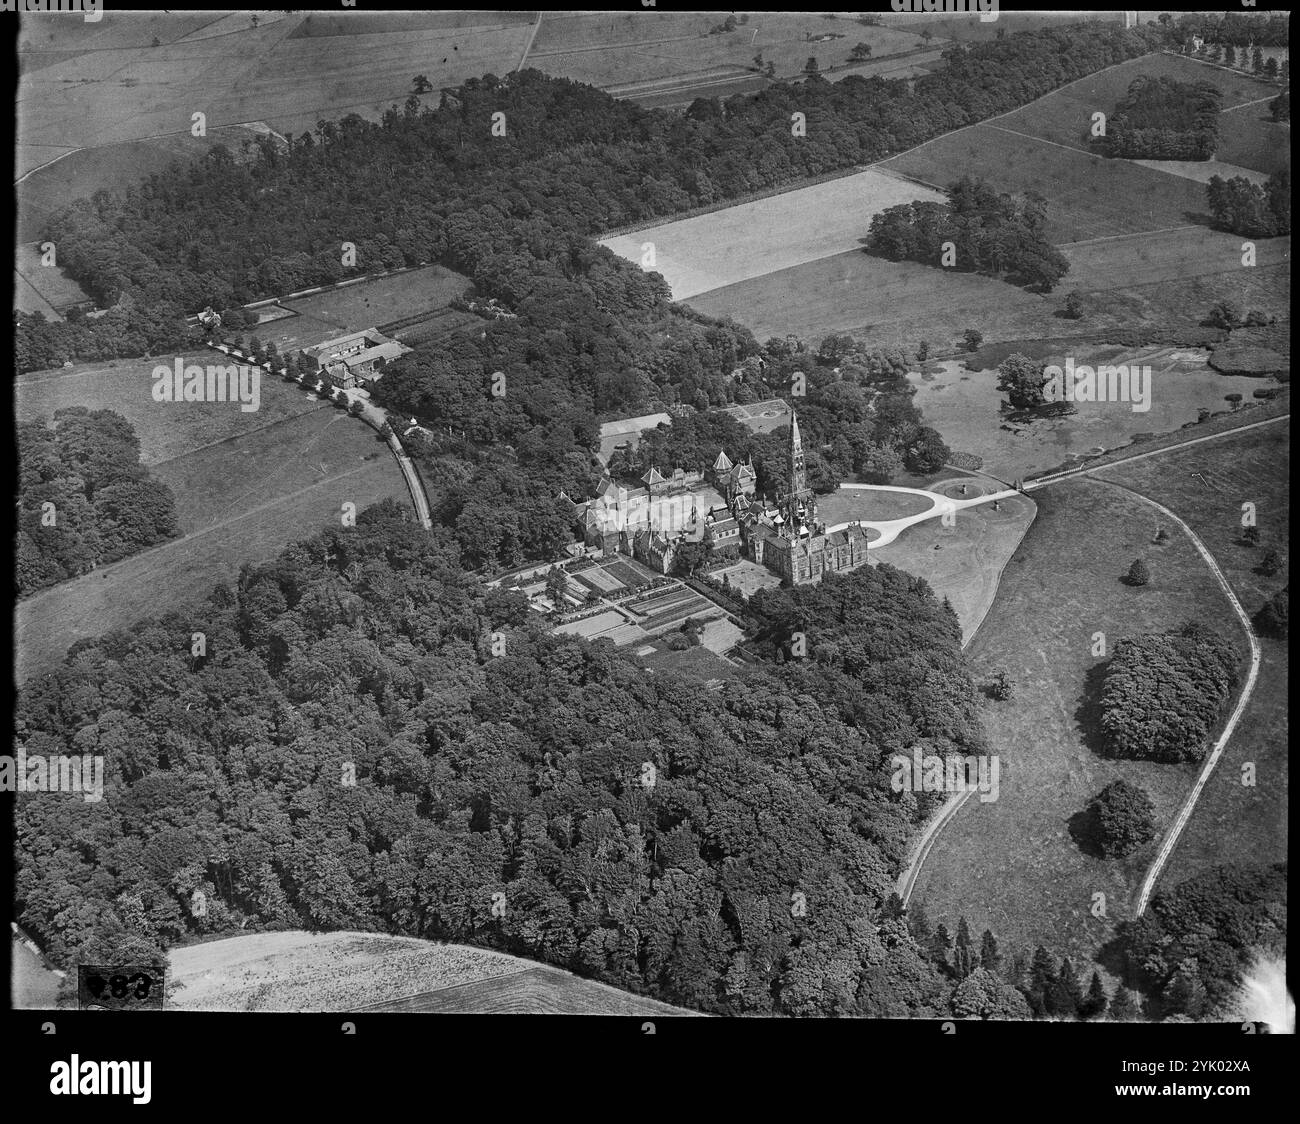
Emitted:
pixel 799 507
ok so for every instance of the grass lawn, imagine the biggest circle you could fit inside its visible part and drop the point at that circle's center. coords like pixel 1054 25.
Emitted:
pixel 1233 822
pixel 1012 864
pixel 849 504
pixel 963 562
pixel 1250 138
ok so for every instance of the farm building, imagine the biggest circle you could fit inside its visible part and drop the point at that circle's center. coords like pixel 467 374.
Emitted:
pixel 626 432
pixel 356 359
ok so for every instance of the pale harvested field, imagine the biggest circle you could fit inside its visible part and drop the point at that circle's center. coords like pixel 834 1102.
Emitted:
pixel 752 239
pixel 350 971
pixel 965 407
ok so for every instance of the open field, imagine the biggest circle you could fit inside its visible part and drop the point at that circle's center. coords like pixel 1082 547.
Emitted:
pixel 1202 171
pixel 298 971
pixel 80 174
pixel 992 859
pixel 752 239
pixel 1250 138
pixel 1144 259
pixel 42 288
pixel 367 304
pixel 1087 196
pixel 165 429
pixel 1065 115
pixel 1233 822
pixel 865 296
pixel 611 49
pixel 699 664
pixel 965 407
pixel 969 28
pixel 239 502
pixel 963 562
pixel 268 73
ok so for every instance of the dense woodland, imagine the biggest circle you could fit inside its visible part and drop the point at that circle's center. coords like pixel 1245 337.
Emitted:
pixel 1162 694
pixel 977 231
pixel 1161 119
pixel 1188 951
pixel 1244 207
pixel 477 774
pixel 86 498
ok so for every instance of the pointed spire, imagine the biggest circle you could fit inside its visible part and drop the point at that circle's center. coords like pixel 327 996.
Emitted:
pixel 652 477
pixel 722 464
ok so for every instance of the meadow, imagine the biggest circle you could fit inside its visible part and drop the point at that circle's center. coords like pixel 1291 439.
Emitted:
pixel 1250 138
pixel 1012 864
pixel 1235 822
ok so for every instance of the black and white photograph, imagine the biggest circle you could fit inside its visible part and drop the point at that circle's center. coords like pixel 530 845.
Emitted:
pixel 651 522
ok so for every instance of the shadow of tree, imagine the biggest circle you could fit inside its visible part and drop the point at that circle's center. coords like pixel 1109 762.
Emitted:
pixel 1088 712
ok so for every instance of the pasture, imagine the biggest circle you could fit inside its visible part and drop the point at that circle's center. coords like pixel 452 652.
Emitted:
pixel 749 240
pixel 1065 116
pixel 869 297
pixel 964 562
pixel 1235 822
pixel 965 406
pixel 268 73
pixel 847 506
pixel 610 49
pixel 240 501
pixel 1087 196
pixel 1012 864
pixel 166 429
pixel 1250 138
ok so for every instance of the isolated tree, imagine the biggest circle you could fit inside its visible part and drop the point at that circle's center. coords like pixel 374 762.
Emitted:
pixel 1271 620
pixel 758 60
pixel 974 340
pixel 927 35
pixel 1138 574
pixel 811 67
pixel 1022 380
pixel 1250 536
pixel 923 351
pixel 860 52
pixel 422 84
pixel 1001 687
pixel 1161 536
pixel 1122 819
pixel 1225 314
pixel 1074 306
pixel 1270 564
pixel 1234 400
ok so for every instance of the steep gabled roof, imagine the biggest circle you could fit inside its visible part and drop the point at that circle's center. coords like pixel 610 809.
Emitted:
pixel 722 464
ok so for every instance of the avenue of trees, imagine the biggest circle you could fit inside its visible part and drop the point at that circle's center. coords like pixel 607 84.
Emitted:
pixel 977 231
pixel 1162 694
pixel 86 498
